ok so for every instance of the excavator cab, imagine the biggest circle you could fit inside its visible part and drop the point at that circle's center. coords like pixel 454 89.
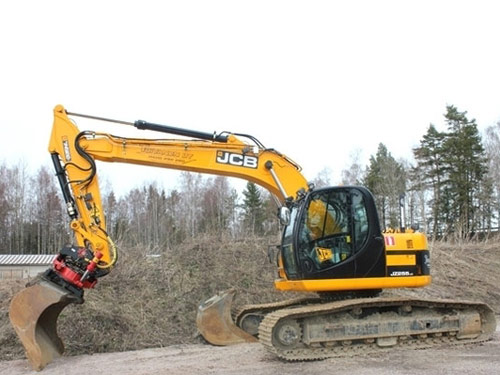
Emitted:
pixel 333 233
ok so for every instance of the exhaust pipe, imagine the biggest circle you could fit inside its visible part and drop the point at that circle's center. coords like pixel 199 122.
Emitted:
pixel 33 313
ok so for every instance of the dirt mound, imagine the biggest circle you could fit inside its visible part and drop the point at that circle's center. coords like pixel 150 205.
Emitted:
pixel 151 298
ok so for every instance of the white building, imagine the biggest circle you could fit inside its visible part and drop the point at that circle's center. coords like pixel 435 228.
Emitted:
pixel 23 266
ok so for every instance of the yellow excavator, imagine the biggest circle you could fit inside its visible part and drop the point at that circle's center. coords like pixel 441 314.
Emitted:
pixel 332 244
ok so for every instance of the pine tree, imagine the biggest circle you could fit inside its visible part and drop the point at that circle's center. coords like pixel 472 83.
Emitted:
pixel 253 208
pixel 430 170
pixel 386 178
pixel 466 166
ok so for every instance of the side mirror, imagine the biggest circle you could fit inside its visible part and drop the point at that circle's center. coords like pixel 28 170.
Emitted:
pixel 284 215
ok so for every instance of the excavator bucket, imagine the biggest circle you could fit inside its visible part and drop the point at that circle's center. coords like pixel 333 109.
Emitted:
pixel 33 313
pixel 215 323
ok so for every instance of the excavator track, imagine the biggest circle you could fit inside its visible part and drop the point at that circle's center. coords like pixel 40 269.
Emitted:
pixel 249 317
pixel 350 327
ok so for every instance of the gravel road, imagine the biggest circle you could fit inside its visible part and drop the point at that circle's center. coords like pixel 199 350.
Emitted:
pixel 253 359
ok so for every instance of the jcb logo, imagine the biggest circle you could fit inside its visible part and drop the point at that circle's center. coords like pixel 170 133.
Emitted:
pixel 224 157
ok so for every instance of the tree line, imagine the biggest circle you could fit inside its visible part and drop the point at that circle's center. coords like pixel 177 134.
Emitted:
pixel 452 188
pixel 33 218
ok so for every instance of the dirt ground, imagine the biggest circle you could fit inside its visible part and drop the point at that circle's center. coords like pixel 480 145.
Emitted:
pixel 253 359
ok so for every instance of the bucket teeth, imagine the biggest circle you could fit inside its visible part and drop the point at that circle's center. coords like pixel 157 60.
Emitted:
pixel 215 323
pixel 33 313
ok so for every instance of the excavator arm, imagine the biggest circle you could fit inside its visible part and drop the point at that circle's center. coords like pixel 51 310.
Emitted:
pixel 35 310
pixel 74 153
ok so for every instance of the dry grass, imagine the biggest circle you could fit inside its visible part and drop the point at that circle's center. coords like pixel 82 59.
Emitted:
pixel 10 346
pixel 468 271
pixel 151 301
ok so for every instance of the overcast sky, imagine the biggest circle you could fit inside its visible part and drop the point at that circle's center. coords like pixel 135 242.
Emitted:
pixel 313 79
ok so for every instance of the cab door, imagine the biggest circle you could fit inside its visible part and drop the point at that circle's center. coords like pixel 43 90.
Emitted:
pixel 336 234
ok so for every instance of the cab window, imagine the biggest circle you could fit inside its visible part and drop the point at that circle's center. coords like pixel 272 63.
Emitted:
pixel 332 228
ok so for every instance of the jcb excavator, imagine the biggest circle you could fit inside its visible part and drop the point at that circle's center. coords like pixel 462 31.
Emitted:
pixel 332 244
